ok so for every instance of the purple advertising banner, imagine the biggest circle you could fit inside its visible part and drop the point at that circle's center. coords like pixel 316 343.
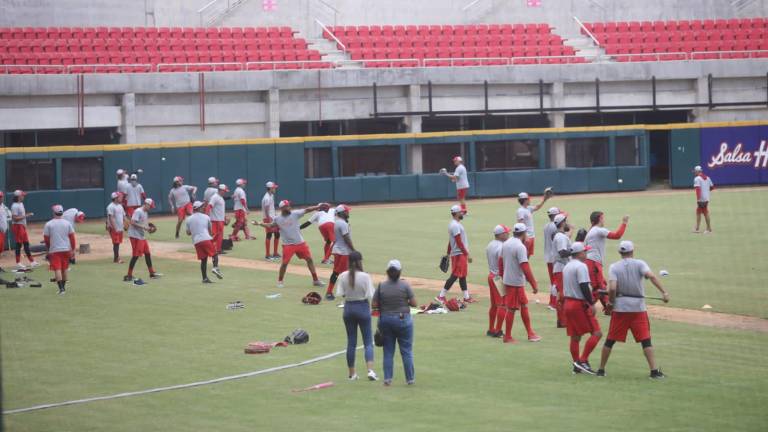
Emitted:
pixel 735 155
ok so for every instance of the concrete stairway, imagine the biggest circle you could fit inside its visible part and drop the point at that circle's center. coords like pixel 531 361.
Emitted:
pixel 585 47
pixel 329 52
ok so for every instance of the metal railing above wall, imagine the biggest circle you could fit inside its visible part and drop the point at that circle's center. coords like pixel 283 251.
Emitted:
pixel 589 33
pixel 215 10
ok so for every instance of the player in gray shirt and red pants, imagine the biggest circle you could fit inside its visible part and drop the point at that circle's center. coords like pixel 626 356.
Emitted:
pixel 626 301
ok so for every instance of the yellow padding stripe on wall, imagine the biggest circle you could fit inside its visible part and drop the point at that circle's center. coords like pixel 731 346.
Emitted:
pixel 257 141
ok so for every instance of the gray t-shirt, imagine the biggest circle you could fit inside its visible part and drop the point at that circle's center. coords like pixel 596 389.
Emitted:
pixel 575 273
pixel 340 229
pixel 629 274
pixel 393 297
pixel 290 231
pixel 560 242
pixel 549 231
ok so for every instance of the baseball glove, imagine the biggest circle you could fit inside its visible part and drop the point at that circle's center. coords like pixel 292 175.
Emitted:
pixel 444 264
pixel 258 348
pixel 581 234
pixel 312 298
pixel 549 192
pixel 152 228
pixel 443 171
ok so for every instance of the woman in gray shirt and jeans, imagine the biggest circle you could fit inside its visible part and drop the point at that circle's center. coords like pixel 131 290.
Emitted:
pixel 357 289
pixel 394 298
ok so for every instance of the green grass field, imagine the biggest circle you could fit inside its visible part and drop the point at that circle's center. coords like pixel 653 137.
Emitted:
pixel 108 337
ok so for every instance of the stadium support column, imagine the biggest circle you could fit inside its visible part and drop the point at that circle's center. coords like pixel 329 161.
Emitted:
pixel 557 120
pixel 413 125
pixel 128 114
pixel 702 96
pixel 273 113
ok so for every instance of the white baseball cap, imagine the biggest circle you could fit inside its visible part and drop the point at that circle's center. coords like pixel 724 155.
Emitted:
pixel 626 246
pixel 455 209
pixel 240 182
pixel 553 211
pixel 179 179
pixel 284 203
pixel 697 168
pixel 394 264
pixel 458 159
pixel 114 195
pixel 559 218
pixel 271 185
pixel 343 208
pixel 223 187
pixel 500 229
pixel 212 180
pixel 197 204
pixel 79 216
pixel 57 209
pixel 150 202
pixel 519 228
pixel 579 247
pixel 120 171
pixel 19 192
pixel 522 195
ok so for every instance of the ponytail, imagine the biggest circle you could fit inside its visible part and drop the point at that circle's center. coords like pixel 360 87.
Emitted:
pixel 355 265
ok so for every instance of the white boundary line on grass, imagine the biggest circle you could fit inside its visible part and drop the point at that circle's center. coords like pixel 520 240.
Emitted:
pixel 178 386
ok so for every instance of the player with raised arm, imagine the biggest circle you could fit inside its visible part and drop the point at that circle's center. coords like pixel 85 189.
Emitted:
pixel 59 237
pixel 595 239
pixel 199 227
pixel 496 312
pixel 268 215
pixel 458 250
pixel 180 199
pixel 461 178
pixel 73 216
pixel 580 308
pixel 626 301
pixel 134 195
pixel 515 271
pixel 293 242
pixel 703 186
pixel 525 216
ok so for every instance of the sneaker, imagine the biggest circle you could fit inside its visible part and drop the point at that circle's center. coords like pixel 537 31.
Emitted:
pixel 470 300
pixel 552 308
pixel 277 256
pixel 127 278
pixel 387 383
pixel 584 367
pixel 318 283
pixel 576 370
pixel 509 340
pixel 498 334
pixel 490 333
pixel 139 282
pixel 155 275
pixel 20 266
pixel 62 291
pixel 119 261
pixel 325 261
pixel 657 374
pixel 600 372
pixel 280 284
pixel 217 272
pixel 410 382
pixel 440 299
pixel 207 281
pixel 372 376
pixel 534 338
pixel 330 297
pixel 354 377
pixel 695 231
pixel 708 232
pixel 34 264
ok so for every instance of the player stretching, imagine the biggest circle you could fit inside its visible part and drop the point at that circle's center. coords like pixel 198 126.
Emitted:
pixel 139 245
pixel 241 211
pixel 595 239
pixel 5 215
pixel 561 250
pixel 627 301
pixel 460 259
pixel 549 257
pixel 461 179
pixel 199 227
pixel 342 246
pixel 293 242
pixel 515 270
pixel 496 312
pixel 59 237
pixel 218 213
pixel 181 203
pixel 326 222
pixel 703 186
pixel 525 216
pixel 580 308
pixel 268 215
pixel 134 195
pixel 116 222
pixel 73 216
pixel 19 217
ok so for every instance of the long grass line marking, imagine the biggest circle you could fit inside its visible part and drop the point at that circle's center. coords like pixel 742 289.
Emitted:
pixel 178 386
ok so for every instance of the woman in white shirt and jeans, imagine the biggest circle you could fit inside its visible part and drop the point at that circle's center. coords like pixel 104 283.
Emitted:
pixel 357 289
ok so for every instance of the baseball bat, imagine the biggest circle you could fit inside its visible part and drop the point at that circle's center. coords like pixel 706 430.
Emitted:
pixel 315 387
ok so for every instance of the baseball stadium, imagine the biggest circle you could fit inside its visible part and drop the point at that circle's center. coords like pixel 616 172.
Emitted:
pixel 344 215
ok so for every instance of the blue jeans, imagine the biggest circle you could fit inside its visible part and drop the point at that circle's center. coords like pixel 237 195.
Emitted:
pixel 400 330
pixel 358 313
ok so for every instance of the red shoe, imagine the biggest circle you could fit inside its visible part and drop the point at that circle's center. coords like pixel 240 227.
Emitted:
pixel 509 339
pixel 534 338
pixel 470 300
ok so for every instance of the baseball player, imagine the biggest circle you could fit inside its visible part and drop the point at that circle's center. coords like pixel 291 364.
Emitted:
pixel 496 312
pixel 703 186
pixel 626 300
pixel 122 184
pixel 59 237
pixel 461 179
pixel 515 270
pixel 134 195
pixel 595 239
pixel 268 215
pixel 293 242
pixel 180 201
pixel 211 190
pixel 139 245
pixel 241 211
pixel 19 217
pixel 116 223
pixel 5 216
pixel 218 214
pixel 561 250
pixel 199 227
pixel 73 216
pixel 342 246
pixel 459 253
pixel 525 216
pixel 326 223
pixel 580 308
pixel 549 231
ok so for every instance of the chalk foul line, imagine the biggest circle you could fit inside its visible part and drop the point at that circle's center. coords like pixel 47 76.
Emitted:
pixel 178 386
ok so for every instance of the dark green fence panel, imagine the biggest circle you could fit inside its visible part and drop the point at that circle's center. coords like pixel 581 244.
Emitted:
pixel 684 154
pixel 233 164
pixel 435 186
pixel 574 180
pixel 633 178
pixel 152 179
pixel 404 187
pixel 518 181
pixel 261 169
pixel 544 178
pixel 348 189
pixel 203 163
pixel 602 179
pixel 289 166
pixel 319 190
pixel 489 184
pixel 375 189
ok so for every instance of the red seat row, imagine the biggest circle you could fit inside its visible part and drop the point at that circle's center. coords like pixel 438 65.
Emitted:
pixel 145 32
pixel 682 25
pixel 145 68
pixel 140 45
pixel 459 53
pixel 440 30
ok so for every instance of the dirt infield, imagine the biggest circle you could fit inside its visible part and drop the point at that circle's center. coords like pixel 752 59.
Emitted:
pixel 101 249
